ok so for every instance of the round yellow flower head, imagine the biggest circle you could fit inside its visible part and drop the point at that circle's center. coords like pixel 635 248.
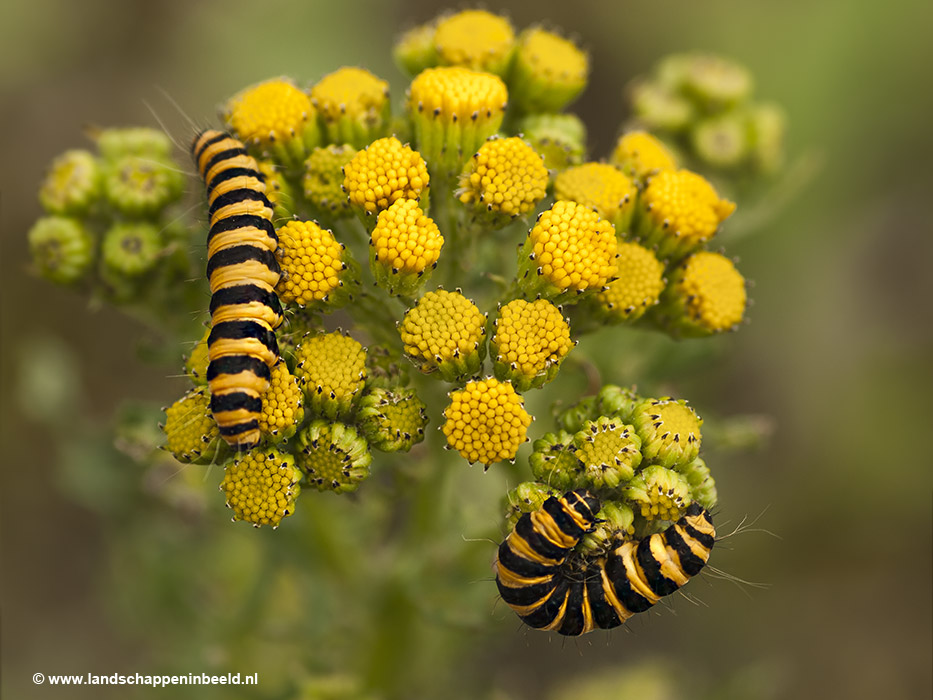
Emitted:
pixel 679 212
pixel 445 332
pixel 570 250
pixel 669 430
pixel 609 451
pixel 353 104
pixel 603 188
pixel 475 39
pixel 190 430
pixel 706 295
pixel 506 177
pixel 276 118
pixel 404 247
pixel 261 486
pixel 638 287
pixel 548 71
pixel 313 269
pixel 323 179
pixel 332 370
pixel 530 341
pixel 383 172
pixel 414 51
pixel 640 154
pixel 334 456
pixel 486 421
pixel 659 493
pixel 282 405
pixel 453 111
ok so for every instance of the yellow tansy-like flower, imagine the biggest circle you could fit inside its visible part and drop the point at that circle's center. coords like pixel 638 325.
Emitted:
pixel 638 287
pixel 706 295
pixel 282 405
pixel 191 432
pixel 640 154
pixel 530 341
pixel 548 71
pixel 600 186
pixel 414 51
pixel 323 179
pixel 486 421
pixel 332 370
pixel 678 212
pixel 404 247
pixel 383 172
pixel 453 111
pixel 608 451
pixel 475 39
pixel 506 176
pixel 445 332
pixel 669 430
pixel 313 267
pixel 261 486
pixel 353 104
pixel 275 117
pixel 570 250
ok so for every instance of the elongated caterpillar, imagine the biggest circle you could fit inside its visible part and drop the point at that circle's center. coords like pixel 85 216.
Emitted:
pixel 242 271
pixel 534 581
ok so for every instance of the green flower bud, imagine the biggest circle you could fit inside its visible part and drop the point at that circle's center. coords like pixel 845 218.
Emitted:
pixel 392 421
pixel 323 179
pixel 385 369
pixel 71 185
pixel 722 141
pixel 334 456
pixel 553 461
pixel 332 370
pixel 528 496
pixel 767 125
pixel 614 522
pixel 261 486
pixel 196 363
pixel 131 249
pixel 548 72
pixel 716 82
pixel 669 430
pixel 415 51
pixel 115 144
pixel 609 452
pixel 62 249
pixel 191 432
pixel 278 190
pixel 559 138
pixel 573 419
pixel 658 493
pixel 140 186
pixel 702 485
pixel 658 108
pixel 616 402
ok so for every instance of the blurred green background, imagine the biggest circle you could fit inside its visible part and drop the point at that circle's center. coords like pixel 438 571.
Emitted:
pixel 838 353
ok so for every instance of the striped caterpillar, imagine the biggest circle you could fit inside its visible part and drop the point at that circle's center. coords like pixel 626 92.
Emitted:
pixel 242 271
pixel 534 582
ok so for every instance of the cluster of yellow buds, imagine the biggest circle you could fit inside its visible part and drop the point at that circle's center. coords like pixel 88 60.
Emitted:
pixel 398 222
pixel 703 103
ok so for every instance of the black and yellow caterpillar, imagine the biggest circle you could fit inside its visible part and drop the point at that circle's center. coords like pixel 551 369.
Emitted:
pixel 534 581
pixel 242 271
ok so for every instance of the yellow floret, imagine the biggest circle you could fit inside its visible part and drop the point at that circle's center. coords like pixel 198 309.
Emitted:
pixel 569 250
pixel 384 172
pixel 641 154
pixel 548 71
pixel 600 186
pixel 506 176
pixel 282 405
pixel 404 247
pixel 353 103
pixel 711 291
pixel 486 421
pixel 190 428
pixel 659 493
pixel 272 112
pixel 332 370
pixel 681 211
pixel 261 487
pixel 311 260
pixel 638 287
pixel 334 456
pixel 474 39
pixel 531 340
pixel 445 331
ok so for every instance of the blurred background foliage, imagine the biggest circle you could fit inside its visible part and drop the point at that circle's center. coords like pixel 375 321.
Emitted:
pixel 837 356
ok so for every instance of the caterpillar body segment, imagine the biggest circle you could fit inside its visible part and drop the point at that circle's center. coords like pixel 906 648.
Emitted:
pixel 242 272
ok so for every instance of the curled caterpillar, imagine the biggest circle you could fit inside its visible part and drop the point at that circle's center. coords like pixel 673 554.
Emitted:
pixel 242 271
pixel 534 581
